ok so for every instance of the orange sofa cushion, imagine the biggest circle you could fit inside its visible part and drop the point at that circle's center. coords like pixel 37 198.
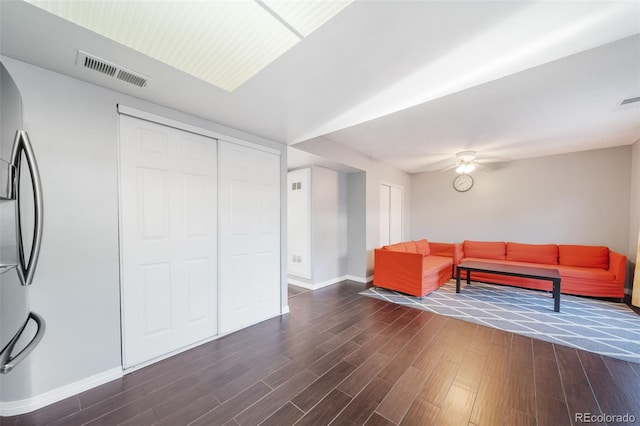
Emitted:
pixel 484 249
pixel 422 247
pixel 534 253
pixel 396 247
pixel 584 256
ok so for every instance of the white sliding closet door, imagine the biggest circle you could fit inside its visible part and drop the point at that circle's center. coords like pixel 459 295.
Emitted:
pixel 249 200
pixel 168 188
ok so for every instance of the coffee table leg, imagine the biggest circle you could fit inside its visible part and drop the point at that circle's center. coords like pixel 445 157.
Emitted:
pixel 556 295
pixel 457 280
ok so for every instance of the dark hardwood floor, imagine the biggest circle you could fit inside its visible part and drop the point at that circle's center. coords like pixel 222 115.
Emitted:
pixel 346 359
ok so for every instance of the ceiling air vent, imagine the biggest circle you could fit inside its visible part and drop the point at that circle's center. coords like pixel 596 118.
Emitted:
pixel 94 63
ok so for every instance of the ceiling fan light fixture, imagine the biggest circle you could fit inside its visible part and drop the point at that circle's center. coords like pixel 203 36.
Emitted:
pixel 465 168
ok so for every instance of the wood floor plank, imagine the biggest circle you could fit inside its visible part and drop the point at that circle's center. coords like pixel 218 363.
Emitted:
pixel 439 381
pixel 361 407
pixel 399 399
pixel 306 399
pixel 570 367
pixel 270 403
pixel 189 412
pixel 521 391
pixel 377 420
pixel 184 397
pixel 146 418
pixel 456 408
pixel 580 399
pixel 400 363
pixel 470 371
pixel 363 353
pixel 547 378
pixel 591 361
pixel 552 411
pixel 327 362
pixel 288 415
pixel 489 407
pixel 514 417
pixel 249 377
pixel 521 353
pixel 481 339
pixel 611 395
pixel 457 348
pixel 67 408
pixel 294 367
pixel 103 408
pixel 326 410
pixel 542 349
pixel 499 365
pixel 370 330
pixel 357 380
pixel 421 412
pixel 624 373
pixel 225 412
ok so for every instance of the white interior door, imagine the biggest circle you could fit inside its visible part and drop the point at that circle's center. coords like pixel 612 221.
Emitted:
pixel 395 214
pixel 385 197
pixel 168 239
pixel 249 236
pixel 391 212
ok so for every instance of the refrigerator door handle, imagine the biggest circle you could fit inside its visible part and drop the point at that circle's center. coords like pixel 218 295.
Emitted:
pixel 7 361
pixel 22 144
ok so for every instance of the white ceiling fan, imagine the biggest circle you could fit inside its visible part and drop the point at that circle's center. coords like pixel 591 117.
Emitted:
pixel 466 162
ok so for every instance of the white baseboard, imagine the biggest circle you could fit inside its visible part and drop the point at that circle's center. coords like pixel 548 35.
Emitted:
pixel 285 310
pixel 317 285
pixel 329 282
pixel 14 408
pixel 360 279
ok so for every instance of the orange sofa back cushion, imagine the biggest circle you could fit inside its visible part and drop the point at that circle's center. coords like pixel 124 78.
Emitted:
pixel 584 256
pixel 484 249
pixel 422 246
pixel 404 247
pixel 396 247
pixel 533 253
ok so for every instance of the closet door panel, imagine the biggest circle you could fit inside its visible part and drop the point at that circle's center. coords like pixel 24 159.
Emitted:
pixel 249 236
pixel 168 187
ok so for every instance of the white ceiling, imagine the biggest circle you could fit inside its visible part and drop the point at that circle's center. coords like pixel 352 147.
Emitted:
pixel 410 83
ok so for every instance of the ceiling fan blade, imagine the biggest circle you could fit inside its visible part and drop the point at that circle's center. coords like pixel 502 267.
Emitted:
pixel 439 165
pixel 492 159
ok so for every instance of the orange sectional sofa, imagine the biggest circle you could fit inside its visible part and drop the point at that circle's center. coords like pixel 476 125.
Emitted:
pixel 415 267
pixel 592 271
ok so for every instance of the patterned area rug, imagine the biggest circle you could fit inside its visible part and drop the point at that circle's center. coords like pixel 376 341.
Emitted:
pixel 606 328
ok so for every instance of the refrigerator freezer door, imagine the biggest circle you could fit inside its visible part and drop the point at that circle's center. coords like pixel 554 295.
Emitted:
pixel 10 113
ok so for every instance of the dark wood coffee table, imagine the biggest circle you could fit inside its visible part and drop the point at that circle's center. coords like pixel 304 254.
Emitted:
pixel 515 271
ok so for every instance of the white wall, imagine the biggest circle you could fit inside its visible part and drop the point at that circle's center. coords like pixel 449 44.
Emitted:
pixel 634 217
pixel 329 226
pixel 73 128
pixel 376 172
pixel 357 225
pixel 578 198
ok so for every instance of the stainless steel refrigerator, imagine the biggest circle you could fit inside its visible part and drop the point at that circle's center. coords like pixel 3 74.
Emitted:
pixel 20 237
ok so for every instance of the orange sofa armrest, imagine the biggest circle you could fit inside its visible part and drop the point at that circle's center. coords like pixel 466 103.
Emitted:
pixel 618 265
pixel 453 250
pixel 396 265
